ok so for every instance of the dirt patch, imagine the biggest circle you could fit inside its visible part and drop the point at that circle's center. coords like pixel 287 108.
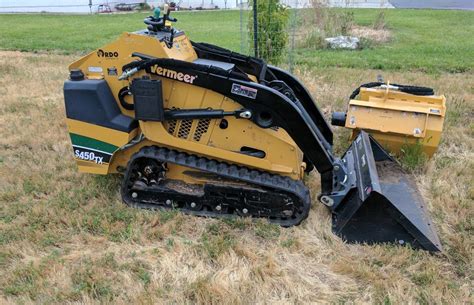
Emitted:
pixel 390 171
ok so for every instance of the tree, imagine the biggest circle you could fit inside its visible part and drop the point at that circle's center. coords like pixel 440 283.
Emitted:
pixel 272 34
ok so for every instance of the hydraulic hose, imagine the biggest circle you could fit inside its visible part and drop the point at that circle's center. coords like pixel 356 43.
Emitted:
pixel 416 90
pixel 121 95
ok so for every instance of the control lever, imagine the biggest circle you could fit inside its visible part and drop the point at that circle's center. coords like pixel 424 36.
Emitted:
pixel 169 40
pixel 166 14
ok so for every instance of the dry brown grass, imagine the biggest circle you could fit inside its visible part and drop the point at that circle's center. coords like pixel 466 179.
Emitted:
pixel 67 238
pixel 372 34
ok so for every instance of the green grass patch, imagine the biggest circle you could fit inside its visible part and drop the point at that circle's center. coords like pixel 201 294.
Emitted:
pixel 426 40
pixel 290 242
pixel 412 156
pixel 22 281
pixel 89 279
pixel 267 230
pixel 140 269
pixel 216 241
pixel 83 33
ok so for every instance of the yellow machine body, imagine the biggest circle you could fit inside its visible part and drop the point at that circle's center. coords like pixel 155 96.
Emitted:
pixel 210 132
pixel 396 119
pixel 204 137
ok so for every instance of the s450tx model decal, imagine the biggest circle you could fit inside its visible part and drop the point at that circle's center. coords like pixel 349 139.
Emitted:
pixel 88 154
pixel 90 149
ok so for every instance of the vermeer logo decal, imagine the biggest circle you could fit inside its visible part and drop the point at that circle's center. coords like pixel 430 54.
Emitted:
pixel 182 77
pixel 244 91
pixel 102 53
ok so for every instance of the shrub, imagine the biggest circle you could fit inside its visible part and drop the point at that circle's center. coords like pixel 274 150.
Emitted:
pixel 313 39
pixel 331 21
pixel 321 22
pixel 272 36
pixel 379 23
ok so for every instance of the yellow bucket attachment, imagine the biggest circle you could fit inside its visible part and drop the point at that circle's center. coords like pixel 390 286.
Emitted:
pixel 396 118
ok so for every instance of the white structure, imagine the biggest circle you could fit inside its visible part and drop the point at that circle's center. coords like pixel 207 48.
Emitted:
pixel 87 6
pixel 341 3
pixel 63 6
pixel 291 3
pixel 360 3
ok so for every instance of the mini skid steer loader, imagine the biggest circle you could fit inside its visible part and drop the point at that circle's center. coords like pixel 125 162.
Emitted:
pixel 196 127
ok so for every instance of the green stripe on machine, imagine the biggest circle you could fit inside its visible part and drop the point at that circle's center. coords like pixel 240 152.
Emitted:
pixel 92 143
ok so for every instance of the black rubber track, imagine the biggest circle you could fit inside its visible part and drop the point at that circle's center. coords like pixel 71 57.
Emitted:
pixel 262 179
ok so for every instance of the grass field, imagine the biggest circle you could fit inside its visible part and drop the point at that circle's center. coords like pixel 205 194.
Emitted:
pixel 66 237
pixel 423 40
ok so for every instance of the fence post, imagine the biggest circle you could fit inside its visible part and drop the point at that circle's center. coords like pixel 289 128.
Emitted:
pixel 292 42
pixel 241 27
pixel 255 29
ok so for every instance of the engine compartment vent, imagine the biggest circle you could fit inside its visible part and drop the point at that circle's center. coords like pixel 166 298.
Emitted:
pixel 188 129
pixel 171 126
pixel 201 129
pixel 184 128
